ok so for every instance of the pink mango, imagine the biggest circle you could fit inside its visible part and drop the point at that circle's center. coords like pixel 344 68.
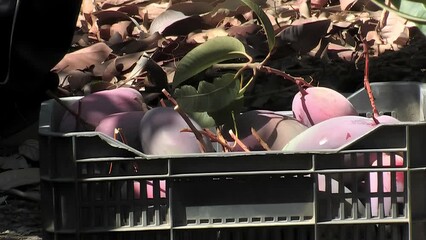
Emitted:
pixel 160 133
pixel 149 189
pixel 96 106
pixel 334 132
pixel 334 186
pixel 273 128
pixel 386 185
pixel 316 104
pixel 127 125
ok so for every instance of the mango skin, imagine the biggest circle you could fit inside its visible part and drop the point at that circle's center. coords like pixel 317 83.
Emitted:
pixel 334 133
pixel 316 104
pixel 128 125
pixel 96 106
pixel 160 133
pixel 273 128
pixel 386 183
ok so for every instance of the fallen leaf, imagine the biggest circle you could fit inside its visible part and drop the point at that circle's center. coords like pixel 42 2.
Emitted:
pixel 121 28
pixel 136 45
pixel 114 3
pixel 120 65
pixel 15 161
pixel 191 8
pixel 110 17
pixel 76 79
pixel 205 35
pixel 341 52
pixel 304 34
pixel 87 7
pixel 19 177
pixel 152 11
pixel 394 29
pixel 83 58
pixel 173 22
pixel 347 4
pixel 243 30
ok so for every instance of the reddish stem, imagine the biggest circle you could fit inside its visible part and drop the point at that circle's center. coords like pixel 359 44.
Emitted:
pixel 367 82
pixel 238 141
pixel 260 140
pixel 198 135
pixel 214 138
pixel 300 82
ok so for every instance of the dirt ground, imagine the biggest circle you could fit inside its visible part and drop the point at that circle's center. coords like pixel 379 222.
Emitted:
pixel 20 219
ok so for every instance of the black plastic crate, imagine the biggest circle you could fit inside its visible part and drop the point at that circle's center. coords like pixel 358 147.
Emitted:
pixel 91 190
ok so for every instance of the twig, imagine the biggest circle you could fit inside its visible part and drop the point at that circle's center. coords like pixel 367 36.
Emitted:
pixel 367 81
pixel 214 138
pixel 198 135
pixel 76 115
pixel 162 103
pixel 300 82
pixel 219 135
pixel 218 138
pixel 238 141
pixel 260 140
pixel 297 80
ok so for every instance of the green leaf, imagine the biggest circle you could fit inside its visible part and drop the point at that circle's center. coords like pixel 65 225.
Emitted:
pixel 415 9
pixel 217 118
pixel 224 115
pixel 200 58
pixel 209 97
pixel 266 23
pixel 396 3
pixel 203 119
pixel 411 10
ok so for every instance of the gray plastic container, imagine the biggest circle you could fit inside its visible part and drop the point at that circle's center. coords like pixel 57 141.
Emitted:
pixel 403 100
pixel 258 195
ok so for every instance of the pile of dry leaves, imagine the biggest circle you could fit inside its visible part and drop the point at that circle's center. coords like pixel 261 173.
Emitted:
pixel 318 40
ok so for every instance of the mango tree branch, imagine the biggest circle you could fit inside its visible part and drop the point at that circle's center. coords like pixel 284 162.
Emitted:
pixel 259 67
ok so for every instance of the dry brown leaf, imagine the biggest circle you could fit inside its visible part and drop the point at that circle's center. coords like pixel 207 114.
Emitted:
pixel 114 3
pixel 174 23
pixel 152 11
pixel 206 35
pixel 110 17
pixel 228 8
pixel 119 65
pixel 347 4
pixel 394 29
pixel 341 52
pixel 137 45
pixel 244 30
pixel 314 4
pixel 305 34
pixel 228 22
pixel 131 10
pixel 121 28
pixel 192 8
pixel 76 80
pixel 83 58
pixel 87 7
